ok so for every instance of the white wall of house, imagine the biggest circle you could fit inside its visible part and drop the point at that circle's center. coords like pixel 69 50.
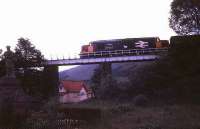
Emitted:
pixel 62 89
pixel 73 97
pixel 83 94
pixel 70 97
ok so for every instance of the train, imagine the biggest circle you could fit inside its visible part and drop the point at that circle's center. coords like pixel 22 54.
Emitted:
pixel 120 47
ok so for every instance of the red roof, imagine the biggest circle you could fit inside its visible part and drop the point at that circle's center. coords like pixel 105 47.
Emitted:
pixel 73 86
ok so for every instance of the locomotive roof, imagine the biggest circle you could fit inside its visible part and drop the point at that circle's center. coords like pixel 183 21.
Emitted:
pixel 115 40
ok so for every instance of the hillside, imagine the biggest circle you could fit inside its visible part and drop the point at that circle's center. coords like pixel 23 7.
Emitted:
pixel 85 72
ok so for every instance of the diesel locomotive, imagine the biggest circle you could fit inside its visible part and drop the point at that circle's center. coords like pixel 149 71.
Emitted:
pixel 119 47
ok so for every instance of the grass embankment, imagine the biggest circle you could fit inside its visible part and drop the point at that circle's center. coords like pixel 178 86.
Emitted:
pixel 128 116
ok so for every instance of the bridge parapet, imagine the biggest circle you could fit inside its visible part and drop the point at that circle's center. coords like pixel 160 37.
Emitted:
pixel 129 52
pixel 135 56
pixel 102 60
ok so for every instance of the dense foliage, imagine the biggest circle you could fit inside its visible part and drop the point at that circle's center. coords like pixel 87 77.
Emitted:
pixel 176 77
pixel 103 85
pixel 96 80
pixel 185 16
pixel 26 54
pixel 8 117
pixel 31 78
pixel 172 79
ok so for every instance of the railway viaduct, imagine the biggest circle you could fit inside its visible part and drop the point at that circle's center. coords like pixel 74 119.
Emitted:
pixel 105 61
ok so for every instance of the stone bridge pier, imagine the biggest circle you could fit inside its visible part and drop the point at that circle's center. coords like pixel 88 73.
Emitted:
pixel 106 69
pixel 51 78
pixel 106 73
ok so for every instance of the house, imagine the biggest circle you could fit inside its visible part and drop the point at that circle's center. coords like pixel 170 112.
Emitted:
pixel 74 91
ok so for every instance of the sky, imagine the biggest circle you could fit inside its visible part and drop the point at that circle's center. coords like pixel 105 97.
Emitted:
pixel 58 28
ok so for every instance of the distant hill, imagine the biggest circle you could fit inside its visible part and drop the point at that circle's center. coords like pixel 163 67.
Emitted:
pixel 85 72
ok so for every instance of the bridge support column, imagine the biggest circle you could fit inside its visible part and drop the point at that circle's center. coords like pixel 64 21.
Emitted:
pixel 105 80
pixel 51 79
pixel 106 69
pixel 106 73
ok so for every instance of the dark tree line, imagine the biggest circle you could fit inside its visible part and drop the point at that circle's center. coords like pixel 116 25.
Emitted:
pixel 26 54
pixel 185 17
pixel 31 78
pixel 172 79
pixel 103 85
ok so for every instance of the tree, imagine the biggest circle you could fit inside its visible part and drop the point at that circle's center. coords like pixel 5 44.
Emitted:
pixel 185 17
pixel 27 54
pixel 1 53
pixel 2 64
pixel 175 77
pixel 103 85
pixel 96 81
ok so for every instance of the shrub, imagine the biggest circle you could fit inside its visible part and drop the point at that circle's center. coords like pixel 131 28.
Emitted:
pixel 140 100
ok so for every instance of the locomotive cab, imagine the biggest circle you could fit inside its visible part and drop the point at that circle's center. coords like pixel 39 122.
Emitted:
pixel 84 49
pixel 158 43
pixel 87 49
pixel 162 43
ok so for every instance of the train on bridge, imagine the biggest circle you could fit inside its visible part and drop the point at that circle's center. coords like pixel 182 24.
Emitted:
pixel 130 50
pixel 121 47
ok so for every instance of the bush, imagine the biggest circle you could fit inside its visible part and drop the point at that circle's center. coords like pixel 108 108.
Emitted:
pixel 140 100
pixel 8 116
pixel 177 73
